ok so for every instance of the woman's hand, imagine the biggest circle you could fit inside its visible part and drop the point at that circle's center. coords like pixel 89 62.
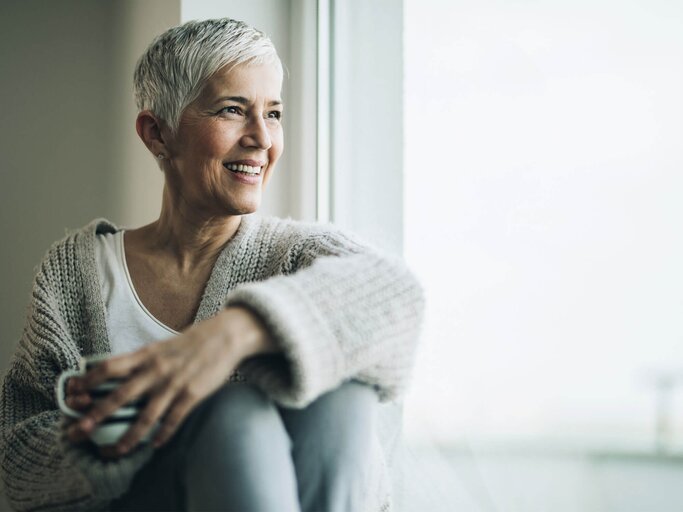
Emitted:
pixel 81 402
pixel 175 375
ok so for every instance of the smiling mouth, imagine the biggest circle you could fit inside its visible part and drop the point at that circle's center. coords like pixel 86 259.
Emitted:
pixel 249 170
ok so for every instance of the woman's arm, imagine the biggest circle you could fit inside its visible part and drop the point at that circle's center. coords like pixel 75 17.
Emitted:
pixel 175 374
pixel 343 311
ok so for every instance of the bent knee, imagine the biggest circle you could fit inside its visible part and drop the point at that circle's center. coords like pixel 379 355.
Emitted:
pixel 340 427
pixel 334 448
pixel 238 415
pixel 347 410
pixel 354 395
pixel 236 400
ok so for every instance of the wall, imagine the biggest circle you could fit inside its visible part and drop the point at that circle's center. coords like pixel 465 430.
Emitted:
pixel 65 141
pixel 68 151
pixel 138 178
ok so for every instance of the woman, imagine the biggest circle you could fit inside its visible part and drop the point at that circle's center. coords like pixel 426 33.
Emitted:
pixel 260 345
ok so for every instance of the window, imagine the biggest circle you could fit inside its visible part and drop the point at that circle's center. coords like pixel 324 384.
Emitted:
pixel 528 165
pixel 542 211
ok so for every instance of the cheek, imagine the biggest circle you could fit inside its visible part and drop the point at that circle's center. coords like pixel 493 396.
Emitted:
pixel 211 142
pixel 277 140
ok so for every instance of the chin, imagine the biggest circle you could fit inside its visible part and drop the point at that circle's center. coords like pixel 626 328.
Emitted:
pixel 244 209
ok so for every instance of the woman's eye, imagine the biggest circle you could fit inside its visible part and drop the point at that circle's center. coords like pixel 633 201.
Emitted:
pixel 230 110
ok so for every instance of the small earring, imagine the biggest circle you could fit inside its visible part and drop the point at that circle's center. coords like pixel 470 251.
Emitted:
pixel 160 156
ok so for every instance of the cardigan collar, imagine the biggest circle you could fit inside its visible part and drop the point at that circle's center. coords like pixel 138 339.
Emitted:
pixel 212 297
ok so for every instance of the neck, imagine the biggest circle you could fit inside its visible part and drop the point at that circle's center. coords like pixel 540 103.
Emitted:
pixel 191 239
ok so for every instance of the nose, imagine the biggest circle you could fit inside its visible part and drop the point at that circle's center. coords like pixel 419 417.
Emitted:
pixel 257 134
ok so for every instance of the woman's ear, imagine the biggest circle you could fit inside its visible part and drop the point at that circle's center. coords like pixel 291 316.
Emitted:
pixel 149 129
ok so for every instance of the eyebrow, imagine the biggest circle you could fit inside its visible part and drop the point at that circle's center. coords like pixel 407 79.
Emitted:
pixel 244 101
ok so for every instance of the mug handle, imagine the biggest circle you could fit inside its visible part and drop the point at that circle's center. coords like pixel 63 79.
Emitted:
pixel 61 394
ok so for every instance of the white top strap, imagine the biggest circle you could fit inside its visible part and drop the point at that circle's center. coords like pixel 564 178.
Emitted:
pixel 130 325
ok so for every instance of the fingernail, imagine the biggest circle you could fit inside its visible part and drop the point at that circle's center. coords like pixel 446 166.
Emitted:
pixel 86 424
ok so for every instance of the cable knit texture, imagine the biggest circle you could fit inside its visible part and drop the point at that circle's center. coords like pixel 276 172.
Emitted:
pixel 338 308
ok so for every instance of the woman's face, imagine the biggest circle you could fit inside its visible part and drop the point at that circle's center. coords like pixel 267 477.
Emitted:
pixel 234 122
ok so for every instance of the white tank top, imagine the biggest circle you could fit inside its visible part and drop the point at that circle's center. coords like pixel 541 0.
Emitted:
pixel 129 324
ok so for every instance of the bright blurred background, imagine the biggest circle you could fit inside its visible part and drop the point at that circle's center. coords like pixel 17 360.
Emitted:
pixel 524 156
pixel 543 182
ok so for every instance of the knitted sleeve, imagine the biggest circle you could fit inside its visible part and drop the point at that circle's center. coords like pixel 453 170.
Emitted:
pixel 39 467
pixel 340 311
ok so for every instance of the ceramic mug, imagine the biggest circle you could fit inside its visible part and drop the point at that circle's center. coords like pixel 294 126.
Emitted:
pixel 111 429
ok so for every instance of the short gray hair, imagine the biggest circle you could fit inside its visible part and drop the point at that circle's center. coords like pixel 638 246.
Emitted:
pixel 170 74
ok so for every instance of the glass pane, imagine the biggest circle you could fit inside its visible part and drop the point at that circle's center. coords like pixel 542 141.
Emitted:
pixel 543 211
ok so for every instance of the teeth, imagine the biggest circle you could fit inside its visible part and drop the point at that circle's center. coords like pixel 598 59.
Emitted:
pixel 243 168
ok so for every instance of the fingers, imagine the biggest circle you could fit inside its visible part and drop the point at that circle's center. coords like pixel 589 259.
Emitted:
pixel 180 408
pixel 174 419
pixel 116 367
pixel 149 416
pixel 174 375
pixel 75 434
pixel 171 402
pixel 71 386
pixel 76 399
pixel 122 395
pixel 80 402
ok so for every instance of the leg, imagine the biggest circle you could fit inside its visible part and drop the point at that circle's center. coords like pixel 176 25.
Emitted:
pixel 238 457
pixel 332 448
pixel 231 453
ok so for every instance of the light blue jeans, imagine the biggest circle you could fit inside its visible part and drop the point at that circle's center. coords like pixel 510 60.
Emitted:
pixel 238 451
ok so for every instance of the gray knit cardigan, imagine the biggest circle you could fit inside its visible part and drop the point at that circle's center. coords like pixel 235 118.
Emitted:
pixel 337 308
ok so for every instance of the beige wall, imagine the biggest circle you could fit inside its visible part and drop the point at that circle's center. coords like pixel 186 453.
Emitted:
pixel 139 179
pixel 68 151
pixel 65 104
